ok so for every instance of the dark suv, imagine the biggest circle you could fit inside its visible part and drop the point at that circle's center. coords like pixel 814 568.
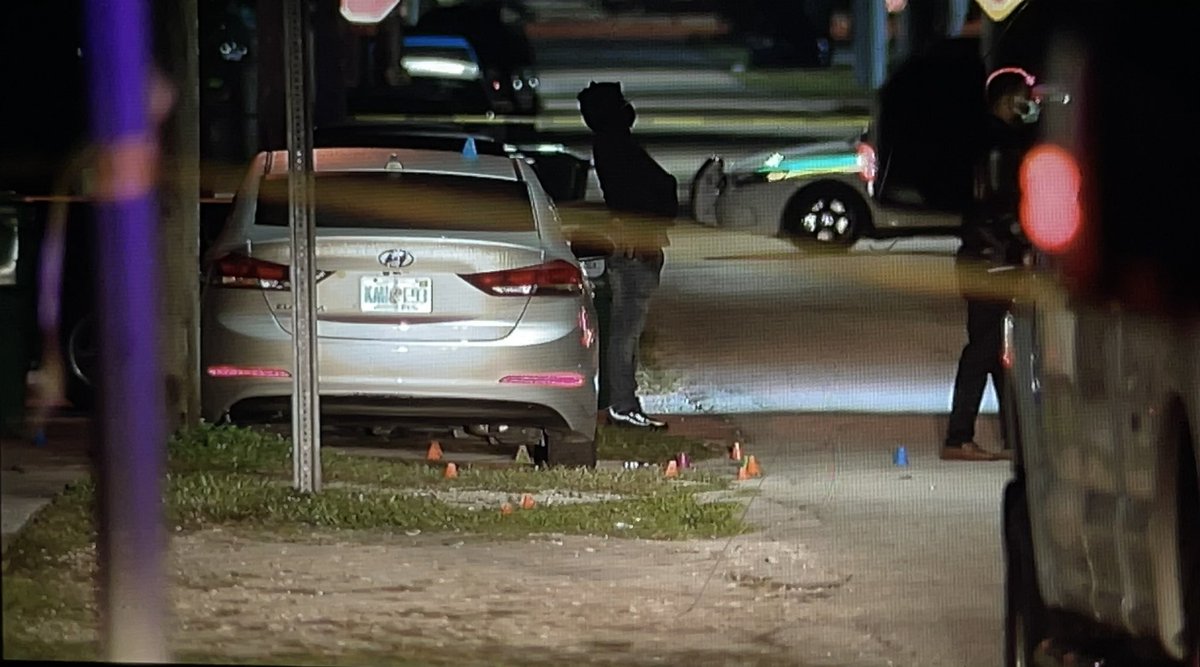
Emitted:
pixel 1102 350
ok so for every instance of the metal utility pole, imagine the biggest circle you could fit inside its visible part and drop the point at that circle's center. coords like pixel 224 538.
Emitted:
pixel 132 537
pixel 870 42
pixel 306 421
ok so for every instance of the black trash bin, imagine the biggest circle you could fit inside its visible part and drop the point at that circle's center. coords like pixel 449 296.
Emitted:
pixel 19 239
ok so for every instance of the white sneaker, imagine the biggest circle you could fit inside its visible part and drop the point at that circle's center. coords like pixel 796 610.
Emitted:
pixel 634 418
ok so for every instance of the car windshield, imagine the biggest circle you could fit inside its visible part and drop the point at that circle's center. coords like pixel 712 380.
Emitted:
pixel 381 200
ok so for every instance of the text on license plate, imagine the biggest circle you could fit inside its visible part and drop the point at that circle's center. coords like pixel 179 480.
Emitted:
pixel 396 294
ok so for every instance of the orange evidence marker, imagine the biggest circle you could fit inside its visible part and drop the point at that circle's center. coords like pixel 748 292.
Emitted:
pixel 752 468
pixel 527 502
pixel 435 451
pixel 451 471
pixel 672 470
pixel 743 474
pixel 506 509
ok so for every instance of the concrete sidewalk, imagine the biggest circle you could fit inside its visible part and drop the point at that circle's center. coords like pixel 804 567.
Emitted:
pixel 32 475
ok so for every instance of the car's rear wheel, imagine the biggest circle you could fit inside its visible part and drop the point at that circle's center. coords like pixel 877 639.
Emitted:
pixel 562 449
pixel 82 355
pixel 1024 611
pixel 706 190
pixel 826 216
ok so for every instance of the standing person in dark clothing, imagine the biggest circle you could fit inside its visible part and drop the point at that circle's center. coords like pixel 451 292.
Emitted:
pixel 992 244
pixel 643 201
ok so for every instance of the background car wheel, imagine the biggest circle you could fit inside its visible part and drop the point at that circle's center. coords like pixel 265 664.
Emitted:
pixel 706 189
pixel 81 355
pixel 825 215
pixel 1024 611
pixel 562 449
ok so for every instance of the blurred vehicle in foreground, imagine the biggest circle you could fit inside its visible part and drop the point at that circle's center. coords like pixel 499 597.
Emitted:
pixel 448 302
pixel 1102 517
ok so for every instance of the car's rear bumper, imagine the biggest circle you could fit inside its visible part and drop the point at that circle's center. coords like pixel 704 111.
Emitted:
pixel 363 408
pixel 456 383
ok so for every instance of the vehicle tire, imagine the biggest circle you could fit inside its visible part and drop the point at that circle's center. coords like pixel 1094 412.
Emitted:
pixel 564 450
pixel 81 356
pixel 705 190
pixel 1012 425
pixel 828 216
pixel 1024 611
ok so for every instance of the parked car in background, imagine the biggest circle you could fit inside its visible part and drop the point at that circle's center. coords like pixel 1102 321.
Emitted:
pixel 443 76
pixel 819 195
pixel 448 301
pixel 908 173
pixel 496 31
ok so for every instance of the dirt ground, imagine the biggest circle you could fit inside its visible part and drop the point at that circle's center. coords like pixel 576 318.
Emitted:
pixel 543 600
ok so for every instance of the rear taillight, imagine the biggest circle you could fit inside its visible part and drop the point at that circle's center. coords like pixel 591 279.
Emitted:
pixel 568 379
pixel 226 371
pixel 1051 213
pixel 867 162
pixel 559 277
pixel 240 271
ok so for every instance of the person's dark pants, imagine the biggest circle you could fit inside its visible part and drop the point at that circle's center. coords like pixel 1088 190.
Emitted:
pixel 980 358
pixel 632 282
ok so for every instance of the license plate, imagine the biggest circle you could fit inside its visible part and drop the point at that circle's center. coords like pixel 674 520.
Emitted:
pixel 396 294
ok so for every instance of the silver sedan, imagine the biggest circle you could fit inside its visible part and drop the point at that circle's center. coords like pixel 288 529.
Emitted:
pixel 448 300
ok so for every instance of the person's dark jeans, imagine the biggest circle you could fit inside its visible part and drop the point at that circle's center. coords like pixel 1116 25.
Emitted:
pixel 980 358
pixel 632 282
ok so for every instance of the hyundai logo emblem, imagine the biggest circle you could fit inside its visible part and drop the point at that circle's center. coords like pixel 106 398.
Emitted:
pixel 395 259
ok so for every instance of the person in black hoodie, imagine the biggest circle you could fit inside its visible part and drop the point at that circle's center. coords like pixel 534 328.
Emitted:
pixel 992 244
pixel 643 201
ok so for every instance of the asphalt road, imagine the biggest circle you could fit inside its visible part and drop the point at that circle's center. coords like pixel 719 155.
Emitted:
pixel 876 330
pixel 829 364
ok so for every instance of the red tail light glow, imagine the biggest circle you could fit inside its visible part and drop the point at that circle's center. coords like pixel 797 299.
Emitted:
pixel 239 271
pixel 867 161
pixel 1008 346
pixel 569 380
pixel 1051 213
pixel 558 277
pixel 246 372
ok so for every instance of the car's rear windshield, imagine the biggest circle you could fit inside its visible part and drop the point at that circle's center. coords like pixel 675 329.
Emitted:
pixel 383 200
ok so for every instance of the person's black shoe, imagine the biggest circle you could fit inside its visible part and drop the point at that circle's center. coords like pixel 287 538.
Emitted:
pixel 634 419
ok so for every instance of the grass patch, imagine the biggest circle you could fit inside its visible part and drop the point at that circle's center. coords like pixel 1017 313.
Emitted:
pixel 617 444
pixel 672 513
pixel 241 478
pixel 829 83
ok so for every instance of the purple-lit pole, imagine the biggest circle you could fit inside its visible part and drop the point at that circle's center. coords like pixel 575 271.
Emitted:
pixel 132 539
